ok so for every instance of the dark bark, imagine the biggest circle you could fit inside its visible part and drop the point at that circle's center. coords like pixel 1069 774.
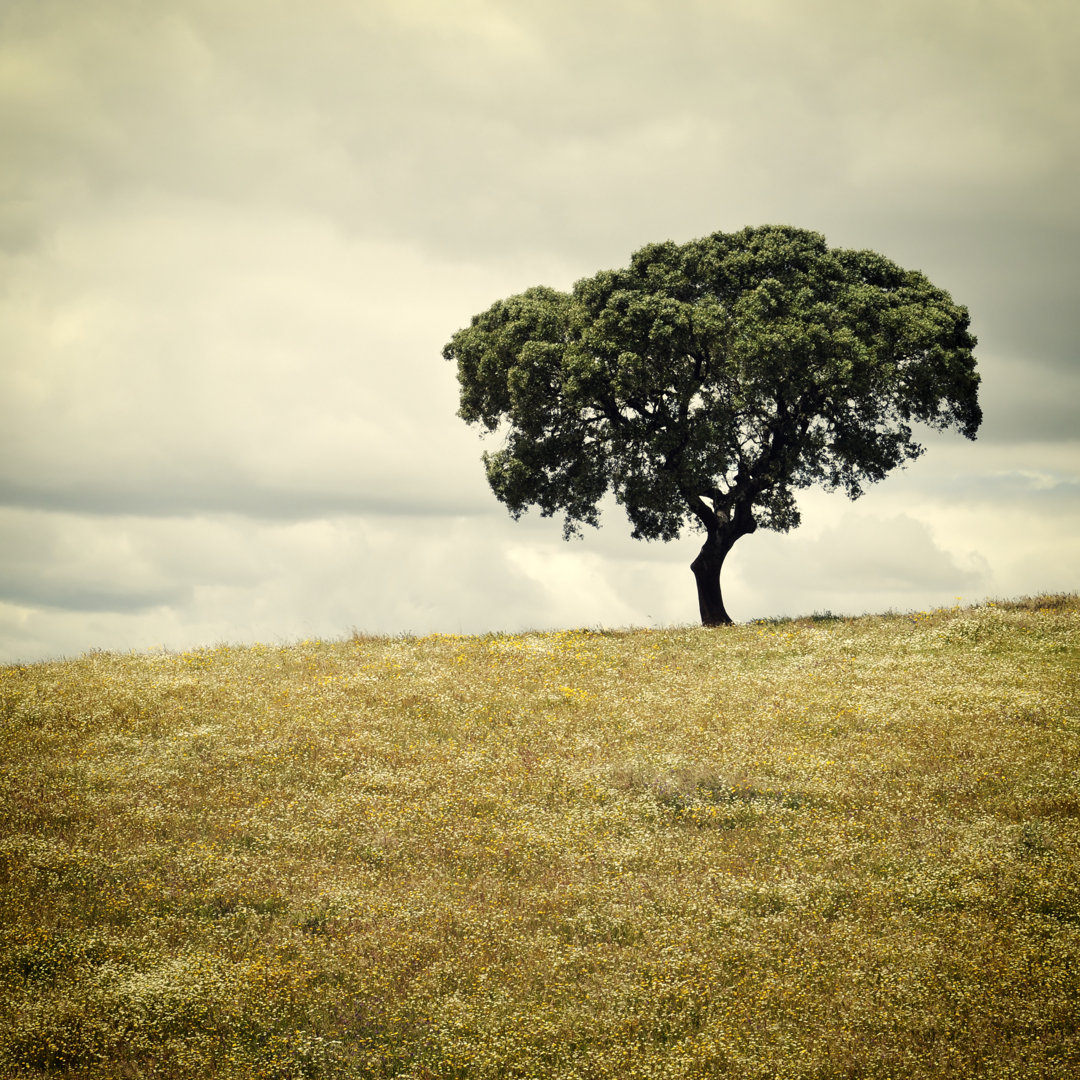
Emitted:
pixel 706 568
pixel 722 532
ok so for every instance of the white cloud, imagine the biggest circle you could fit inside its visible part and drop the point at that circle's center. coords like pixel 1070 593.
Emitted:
pixel 179 357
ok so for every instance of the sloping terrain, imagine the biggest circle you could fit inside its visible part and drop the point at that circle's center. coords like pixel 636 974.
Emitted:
pixel 814 848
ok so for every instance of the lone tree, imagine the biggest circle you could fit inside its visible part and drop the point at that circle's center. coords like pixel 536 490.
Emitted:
pixel 708 380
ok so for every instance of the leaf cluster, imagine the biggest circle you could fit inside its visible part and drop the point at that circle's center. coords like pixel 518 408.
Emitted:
pixel 734 369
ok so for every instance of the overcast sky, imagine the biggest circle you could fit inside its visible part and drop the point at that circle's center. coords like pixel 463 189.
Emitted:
pixel 235 235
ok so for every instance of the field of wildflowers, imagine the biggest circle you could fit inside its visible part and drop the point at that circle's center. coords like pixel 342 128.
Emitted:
pixel 817 848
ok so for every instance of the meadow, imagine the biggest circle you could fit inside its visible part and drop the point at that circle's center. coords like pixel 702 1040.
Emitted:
pixel 813 848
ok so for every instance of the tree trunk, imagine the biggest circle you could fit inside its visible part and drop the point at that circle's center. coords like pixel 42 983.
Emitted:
pixel 706 568
pixel 722 530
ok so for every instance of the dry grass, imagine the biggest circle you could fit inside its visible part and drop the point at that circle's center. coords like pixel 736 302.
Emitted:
pixel 808 849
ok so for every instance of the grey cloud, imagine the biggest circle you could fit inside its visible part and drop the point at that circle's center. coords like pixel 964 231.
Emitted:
pixel 865 562
pixel 48 562
pixel 69 595
pixel 885 554
pixel 234 237
pixel 211 496
pixel 1045 492
pixel 273 370
pixel 243 580
pixel 1028 401
pixel 471 129
pixel 1015 272
pixel 1038 477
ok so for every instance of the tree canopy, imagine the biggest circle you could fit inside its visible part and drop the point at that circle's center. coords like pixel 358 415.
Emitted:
pixel 706 382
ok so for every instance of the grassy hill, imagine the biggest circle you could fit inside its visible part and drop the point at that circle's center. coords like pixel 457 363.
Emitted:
pixel 803 849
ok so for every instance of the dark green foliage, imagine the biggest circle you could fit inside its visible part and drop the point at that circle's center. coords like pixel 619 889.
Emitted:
pixel 734 369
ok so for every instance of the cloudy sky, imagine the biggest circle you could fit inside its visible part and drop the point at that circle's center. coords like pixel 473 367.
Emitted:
pixel 235 235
